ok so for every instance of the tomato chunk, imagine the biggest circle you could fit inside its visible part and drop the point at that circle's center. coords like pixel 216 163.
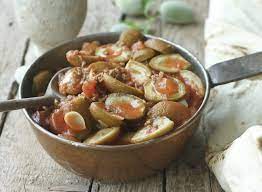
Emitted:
pixel 89 88
pixel 57 122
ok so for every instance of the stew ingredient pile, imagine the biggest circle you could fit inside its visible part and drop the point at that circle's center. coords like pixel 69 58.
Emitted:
pixel 123 93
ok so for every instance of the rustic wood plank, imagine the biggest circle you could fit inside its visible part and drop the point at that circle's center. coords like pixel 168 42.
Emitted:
pixel 214 185
pixel 24 165
pixel 12 44
pixel 101 16
pixel 190 173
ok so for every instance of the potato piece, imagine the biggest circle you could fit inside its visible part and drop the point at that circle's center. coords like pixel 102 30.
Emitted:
pixel 103 136
pixel 140 73
pixel 129 37
pixel 40 82
pixel 127 106
pixel 159 45
pixel 100 114
pixel 115 86
pixel 143 54
pixel 158 127
pixel 193 81
pixel 171 63
pixel 175 111
pixel 169 91
pixel 71 82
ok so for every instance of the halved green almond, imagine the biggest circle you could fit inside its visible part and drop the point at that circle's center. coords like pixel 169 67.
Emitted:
pixel 140 73
pixel 193 81
pixel 114 53
pixel 157 128
pixel 164 89
pixel 171 63
pixel 104 136
pixel 99 66
pixel 115 86
pixel 159 46
pixel 127 106
pixel 175 111
pixel 143 54
pixel 100 114
pixel 129 37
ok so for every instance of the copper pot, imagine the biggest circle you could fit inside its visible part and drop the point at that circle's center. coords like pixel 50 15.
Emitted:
pixel 127 162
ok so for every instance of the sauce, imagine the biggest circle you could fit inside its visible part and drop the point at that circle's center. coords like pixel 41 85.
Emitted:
pixel 166 86
pixel 126 110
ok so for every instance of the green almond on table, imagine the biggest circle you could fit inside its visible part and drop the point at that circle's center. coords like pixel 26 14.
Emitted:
pixel 176 12
pixel 131 7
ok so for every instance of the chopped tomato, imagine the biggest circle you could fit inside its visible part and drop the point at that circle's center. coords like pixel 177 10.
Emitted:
pixel 138 46
pixel 57 122
pixel 89 88
pixel 166 86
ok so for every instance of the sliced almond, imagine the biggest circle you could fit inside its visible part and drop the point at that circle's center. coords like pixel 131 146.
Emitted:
pixel 75 121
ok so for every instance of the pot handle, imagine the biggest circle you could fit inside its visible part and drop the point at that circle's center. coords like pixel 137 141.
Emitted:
pixel 235 69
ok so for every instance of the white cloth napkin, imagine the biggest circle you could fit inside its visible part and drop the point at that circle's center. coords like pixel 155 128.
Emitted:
pixel 234 29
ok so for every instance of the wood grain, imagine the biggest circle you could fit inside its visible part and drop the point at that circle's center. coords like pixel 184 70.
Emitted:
pixel 12 45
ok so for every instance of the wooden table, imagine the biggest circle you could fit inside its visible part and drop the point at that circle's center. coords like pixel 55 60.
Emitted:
pixel 24 165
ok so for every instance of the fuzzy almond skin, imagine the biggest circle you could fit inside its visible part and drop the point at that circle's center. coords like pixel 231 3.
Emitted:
pixel 175 111
pixel 131 7
pixel 176 12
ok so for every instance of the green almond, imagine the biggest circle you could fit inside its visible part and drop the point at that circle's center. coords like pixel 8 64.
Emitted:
pixel 176 12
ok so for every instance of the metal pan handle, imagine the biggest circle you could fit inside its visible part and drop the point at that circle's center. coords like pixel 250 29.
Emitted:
pixel 235 69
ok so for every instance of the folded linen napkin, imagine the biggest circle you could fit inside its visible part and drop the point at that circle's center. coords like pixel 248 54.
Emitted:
pixel 234 29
